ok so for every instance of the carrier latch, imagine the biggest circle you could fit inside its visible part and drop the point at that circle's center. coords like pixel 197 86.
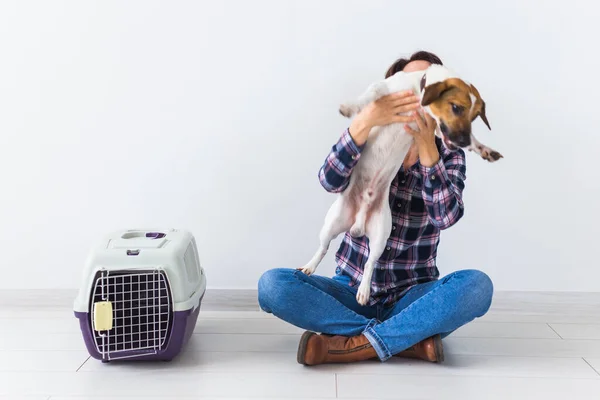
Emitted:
pixel 103 316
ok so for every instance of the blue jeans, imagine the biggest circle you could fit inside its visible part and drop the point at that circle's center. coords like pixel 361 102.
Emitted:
pixel 328 305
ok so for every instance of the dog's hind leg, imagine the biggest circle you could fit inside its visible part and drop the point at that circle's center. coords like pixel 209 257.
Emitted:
pixel 373 92
pixel 338 219
pixel 378 230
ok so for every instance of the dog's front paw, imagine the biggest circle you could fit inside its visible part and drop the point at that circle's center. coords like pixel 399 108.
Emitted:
pixel 347 110
pixel 364 291
pixel 494 156
pixel 489 154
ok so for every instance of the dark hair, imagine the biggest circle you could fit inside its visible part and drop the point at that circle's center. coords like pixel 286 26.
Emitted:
pixel 400 63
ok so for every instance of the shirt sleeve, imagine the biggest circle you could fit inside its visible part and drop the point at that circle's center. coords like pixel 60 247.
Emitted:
pixel 335 173
pixel 443 185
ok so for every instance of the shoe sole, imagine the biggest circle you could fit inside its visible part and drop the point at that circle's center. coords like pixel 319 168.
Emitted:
pixel 302 346
pixel 439 349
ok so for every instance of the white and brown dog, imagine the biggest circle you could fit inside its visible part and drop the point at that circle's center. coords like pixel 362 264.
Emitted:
pixel 453 103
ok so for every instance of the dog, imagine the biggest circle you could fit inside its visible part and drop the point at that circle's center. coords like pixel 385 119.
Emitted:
pixel 453 103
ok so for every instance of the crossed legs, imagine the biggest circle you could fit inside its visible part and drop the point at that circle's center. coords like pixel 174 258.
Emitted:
pixel 328 305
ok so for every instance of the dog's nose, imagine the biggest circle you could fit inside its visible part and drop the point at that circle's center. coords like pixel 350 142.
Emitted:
pixel 463 141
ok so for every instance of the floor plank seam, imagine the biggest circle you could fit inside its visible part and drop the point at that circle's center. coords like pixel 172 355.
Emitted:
pixel 560 357
pixel 591 366
pixel 554 330
pixel 476 376
pixel 336 385
pixel 453 337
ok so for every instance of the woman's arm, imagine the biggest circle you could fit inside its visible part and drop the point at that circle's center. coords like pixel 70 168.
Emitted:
pixel 335 173
pixel 443 185
pixel 443 178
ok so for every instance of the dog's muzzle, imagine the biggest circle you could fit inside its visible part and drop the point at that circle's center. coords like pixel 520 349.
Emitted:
pixel 445 138
pixel 463 141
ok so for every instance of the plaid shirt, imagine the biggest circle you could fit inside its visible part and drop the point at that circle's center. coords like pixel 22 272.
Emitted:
pixel 423 202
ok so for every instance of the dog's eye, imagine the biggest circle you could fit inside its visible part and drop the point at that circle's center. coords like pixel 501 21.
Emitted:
pixel 458 110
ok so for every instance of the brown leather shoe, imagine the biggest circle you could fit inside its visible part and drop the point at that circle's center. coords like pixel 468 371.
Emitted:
pixel 320 349
pixel 430 349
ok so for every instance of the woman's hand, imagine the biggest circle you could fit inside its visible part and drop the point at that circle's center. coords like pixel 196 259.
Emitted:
pixel 425 139
pixel 383 111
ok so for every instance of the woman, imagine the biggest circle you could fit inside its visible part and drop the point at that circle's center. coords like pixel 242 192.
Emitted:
pixel 410 309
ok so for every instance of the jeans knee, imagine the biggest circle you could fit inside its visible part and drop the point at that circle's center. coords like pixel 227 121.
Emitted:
pixel 270 286
pixel 480 290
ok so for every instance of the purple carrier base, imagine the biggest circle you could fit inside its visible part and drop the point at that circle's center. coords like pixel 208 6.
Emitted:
pixel 184 323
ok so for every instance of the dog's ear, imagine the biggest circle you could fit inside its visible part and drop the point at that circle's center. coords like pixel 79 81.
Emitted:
pixel 482 115
pixel 433 92
pixel 481 112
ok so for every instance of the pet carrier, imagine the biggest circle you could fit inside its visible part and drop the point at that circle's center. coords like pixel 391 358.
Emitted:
pixel 140 295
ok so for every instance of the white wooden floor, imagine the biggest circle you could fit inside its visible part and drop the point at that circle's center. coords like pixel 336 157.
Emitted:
pixel 530 346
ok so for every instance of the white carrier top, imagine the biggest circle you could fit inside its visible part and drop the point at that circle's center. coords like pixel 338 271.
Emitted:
pixel 170 250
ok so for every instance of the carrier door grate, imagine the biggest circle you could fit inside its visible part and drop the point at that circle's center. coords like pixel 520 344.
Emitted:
pixel 141 308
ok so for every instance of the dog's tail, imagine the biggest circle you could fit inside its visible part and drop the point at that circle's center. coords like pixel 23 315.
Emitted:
pixel 358 228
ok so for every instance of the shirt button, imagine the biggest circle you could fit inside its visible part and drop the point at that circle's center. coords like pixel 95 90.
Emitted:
pixel 433 177
pixel 399 205
pixel 387 248
pixel 403 182
pixel 354 156
pixel 394 227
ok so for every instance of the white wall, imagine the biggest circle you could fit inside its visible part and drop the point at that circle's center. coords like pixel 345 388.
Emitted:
pixel 216 116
